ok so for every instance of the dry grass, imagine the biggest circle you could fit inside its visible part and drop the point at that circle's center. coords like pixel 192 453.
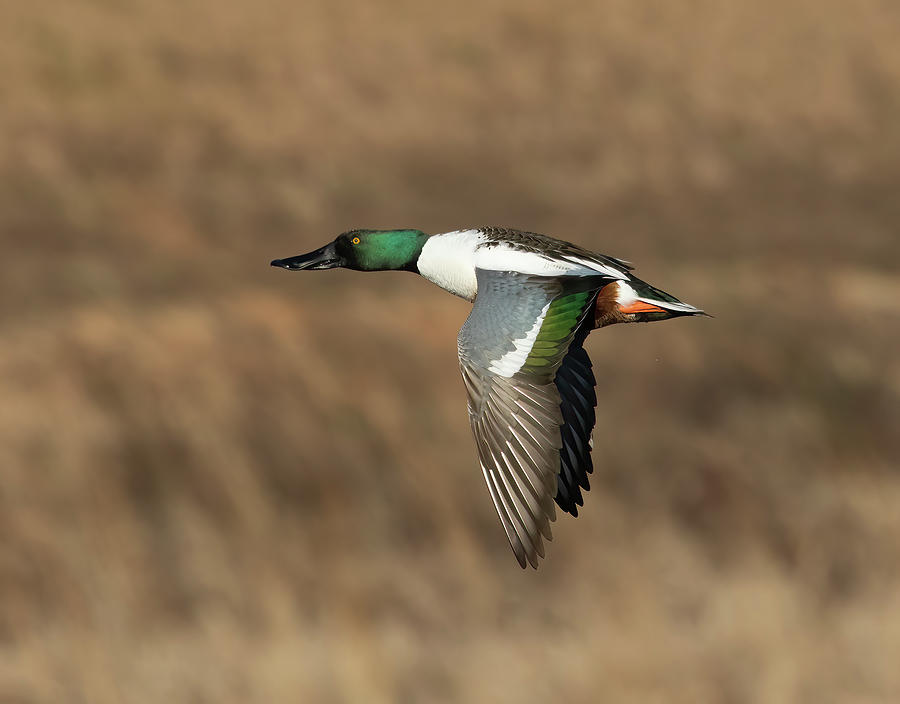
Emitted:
pixel 222 483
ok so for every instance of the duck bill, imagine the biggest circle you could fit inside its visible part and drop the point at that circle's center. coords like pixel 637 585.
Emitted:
pixel 323 258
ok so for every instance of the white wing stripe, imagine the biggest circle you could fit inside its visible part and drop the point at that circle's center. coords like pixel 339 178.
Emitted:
pixel 595 267
pixel 504 257
pixel 512 361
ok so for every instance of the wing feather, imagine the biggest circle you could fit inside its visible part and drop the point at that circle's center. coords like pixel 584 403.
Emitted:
pixel 522 430
pixel 576 385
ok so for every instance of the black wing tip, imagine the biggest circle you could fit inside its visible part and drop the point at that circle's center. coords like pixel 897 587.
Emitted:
pixel 570 503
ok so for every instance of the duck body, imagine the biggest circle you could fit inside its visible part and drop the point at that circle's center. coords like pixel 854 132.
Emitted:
pixel 529 381
pixel 451 260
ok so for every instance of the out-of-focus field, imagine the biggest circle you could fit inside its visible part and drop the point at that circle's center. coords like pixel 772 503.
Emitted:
pixel 223 483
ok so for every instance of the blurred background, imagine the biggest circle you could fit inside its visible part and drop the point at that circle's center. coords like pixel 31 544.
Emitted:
pixel 220 482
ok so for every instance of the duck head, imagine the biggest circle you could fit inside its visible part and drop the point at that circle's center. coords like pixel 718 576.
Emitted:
pixel 363 250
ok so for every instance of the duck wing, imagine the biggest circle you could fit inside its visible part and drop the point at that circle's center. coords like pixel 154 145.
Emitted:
pixel 578 399
pixel 553 248
pixel 510 350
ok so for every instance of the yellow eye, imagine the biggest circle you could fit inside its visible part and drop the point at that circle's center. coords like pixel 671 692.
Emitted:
pixel 355 240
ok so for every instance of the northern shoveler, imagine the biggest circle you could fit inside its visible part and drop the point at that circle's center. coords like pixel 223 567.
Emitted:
pixel 528 378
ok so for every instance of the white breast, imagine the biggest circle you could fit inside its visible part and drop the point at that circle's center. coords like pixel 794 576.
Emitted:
pixel 449 261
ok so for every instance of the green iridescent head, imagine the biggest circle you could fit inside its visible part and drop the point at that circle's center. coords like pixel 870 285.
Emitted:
pixel 363 250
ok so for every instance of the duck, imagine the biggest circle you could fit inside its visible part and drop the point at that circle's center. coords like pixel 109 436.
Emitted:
pixel 529 381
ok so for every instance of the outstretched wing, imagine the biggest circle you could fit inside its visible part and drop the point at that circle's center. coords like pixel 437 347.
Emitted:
pixel 510 350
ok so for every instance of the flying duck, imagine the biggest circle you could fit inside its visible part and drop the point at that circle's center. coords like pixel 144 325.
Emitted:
pixel 528 378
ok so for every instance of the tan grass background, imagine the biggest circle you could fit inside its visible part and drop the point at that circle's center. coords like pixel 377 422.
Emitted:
pixel 223 483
